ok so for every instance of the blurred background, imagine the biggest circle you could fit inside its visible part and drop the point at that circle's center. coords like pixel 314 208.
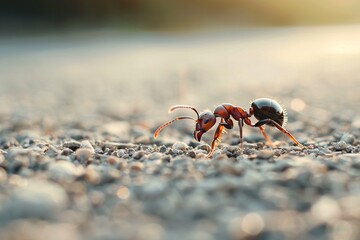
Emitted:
pixel 132 59
pixel 162 15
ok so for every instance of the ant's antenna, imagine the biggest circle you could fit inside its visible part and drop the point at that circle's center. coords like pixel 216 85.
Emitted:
pixel 183 106
pixel 170 122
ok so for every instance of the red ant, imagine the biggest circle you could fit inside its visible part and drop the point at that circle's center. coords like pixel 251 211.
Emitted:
pixel 266 110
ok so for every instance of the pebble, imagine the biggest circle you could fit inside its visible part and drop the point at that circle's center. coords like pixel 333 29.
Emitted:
pixel 64 171
pixel 348 138
pixel 265 154
pixel 37 199
pixel 180 146
pixel 163 149
pixel 155 156
pixel 84 154
pixel 118 145
pixel 87 145
pixel 139 154
pixel 17 158
pixel 112 160
pixel 122 165
pixel 341 145
pixel 92 175
pixel 191 154
pixel 66 152
pixel 72 144
pixel 136 166
pixel 296 148
pixel 204 147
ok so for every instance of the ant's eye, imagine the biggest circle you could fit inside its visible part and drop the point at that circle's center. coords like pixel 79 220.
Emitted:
pixel 206 120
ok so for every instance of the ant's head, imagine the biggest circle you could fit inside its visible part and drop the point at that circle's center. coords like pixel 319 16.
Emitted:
pixel 204 121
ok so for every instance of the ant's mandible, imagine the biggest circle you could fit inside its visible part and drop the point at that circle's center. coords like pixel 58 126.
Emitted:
pixel 266 111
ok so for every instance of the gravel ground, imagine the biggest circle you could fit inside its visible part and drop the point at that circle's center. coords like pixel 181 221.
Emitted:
pixel 78 160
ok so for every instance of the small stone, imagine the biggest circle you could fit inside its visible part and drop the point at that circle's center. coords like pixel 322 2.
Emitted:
pixel 180 146
pixel 166 158
pixel 204 147
pixel 112 160
pixel 72 144
pixel 52 151
pixel 162 149
pixel 66 152
pixel 86 144
pixel 83 154
pixel 155 156
pixel 194 143
pixel 136 166
pixel 192 154
pixel 265 154
pixel 339 146
pixel 251 145
pixel 348 138
pixel 121 153
pixel 231 149
pixel 64 171
pixel 92 176
pixel 122 165
pixel 36 199
pixel 99 151
pixel 296 148
pixel 118 145
pixel 18 158
pixel 139 154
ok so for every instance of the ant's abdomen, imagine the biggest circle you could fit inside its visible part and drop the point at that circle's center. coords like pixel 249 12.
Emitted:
pixel 266 108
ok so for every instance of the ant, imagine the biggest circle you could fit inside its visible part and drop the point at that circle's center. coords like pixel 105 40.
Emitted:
pixel 266 111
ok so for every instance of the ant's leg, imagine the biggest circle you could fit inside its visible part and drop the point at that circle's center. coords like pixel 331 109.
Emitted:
pixel 248 122
pixel 267 139
pixel 217 137
pixel 228 123
pixel 241 124
pixel 283 130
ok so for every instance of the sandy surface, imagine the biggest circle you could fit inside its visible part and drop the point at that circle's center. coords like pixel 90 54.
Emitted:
pixel 78 160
